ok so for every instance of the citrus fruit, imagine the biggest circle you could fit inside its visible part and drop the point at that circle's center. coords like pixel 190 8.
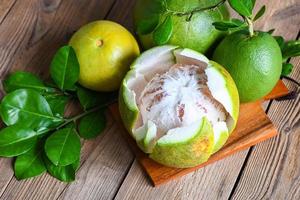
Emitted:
pixel 178 22
pixel 255 63
pixel 105 51
pixel 178 106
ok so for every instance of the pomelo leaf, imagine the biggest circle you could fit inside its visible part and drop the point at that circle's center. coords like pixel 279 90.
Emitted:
pixel 89 99
pixel 27 108
pixel 30 164
pixel 260 13
pixel 64 68
pixel 243 7
pixel 62 173
pixel 63 147
pixel 57 103
pixel 163 32
pixel 291 49
pixel 16 140
pixel 92 125
pixel 271 31
pixel 287 68
pixel 225 25
pixel 22 80
pixel 145 26
pixel 280 41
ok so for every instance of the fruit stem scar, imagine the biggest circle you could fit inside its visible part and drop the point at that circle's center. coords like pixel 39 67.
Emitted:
pixel 99 43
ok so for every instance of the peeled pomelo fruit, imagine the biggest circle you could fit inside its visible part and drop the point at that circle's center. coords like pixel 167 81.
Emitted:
pixel 178 106
pixel 255 63
pixel 179 22
pixel 105 51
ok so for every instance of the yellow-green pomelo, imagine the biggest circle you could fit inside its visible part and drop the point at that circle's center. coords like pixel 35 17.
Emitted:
pixel 178 106
pixel 105 51
pixel 255 63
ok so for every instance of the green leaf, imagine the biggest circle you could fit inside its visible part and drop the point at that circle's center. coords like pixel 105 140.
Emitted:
pixel 260 13
pixel 21 80
pixel 89 99
pixel 243 7
pixel 57 103
pixel 16 140
pixel 271 31
pixel 64 68
pixel 146 26
pixel 30 164
pixel 225 25
pixel 291 49
pixel 63 147
pixel 92 125
pixel 163 32
pixel 27 108
pixel 62 173
pixel 280 41
pixel 287 68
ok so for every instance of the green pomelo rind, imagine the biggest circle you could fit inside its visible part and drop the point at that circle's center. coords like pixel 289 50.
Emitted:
pixel 255 63
pixel 146 139
pixel 198 33
pixel 188 153
pixel 232 91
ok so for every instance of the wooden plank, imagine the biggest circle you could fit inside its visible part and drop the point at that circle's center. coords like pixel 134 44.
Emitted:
pixel 30 34
pixel 209 189
pixel 273 169
pixel 5 7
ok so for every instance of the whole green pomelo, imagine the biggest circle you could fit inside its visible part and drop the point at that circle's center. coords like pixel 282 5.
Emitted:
pixel 255 63
pixel 171 22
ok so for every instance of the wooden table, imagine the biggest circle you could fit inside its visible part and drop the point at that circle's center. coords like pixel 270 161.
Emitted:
pixel 32 30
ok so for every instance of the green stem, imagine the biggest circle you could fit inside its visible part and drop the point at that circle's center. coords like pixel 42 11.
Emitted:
pixel 190 13
pixel 251 28
pixel 75 118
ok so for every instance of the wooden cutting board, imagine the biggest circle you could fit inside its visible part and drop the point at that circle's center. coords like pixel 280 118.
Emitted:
pixel 253 126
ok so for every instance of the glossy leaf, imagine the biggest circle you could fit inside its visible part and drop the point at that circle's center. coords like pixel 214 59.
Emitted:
pixel 280 41
pixel 62 173
pixel 146 26
pixel 16 140
pixel 287 68
pixel 64 68
pixel 291 49
pixel 260 13
pixel 30 164
pixel 92 125
pixel 225 25
pixel 163 32
pixel 243 7
pixel 89 99
pixel 63 147
pixel 57 103
pixel 271 31
pixel 22 80
pixel 27 108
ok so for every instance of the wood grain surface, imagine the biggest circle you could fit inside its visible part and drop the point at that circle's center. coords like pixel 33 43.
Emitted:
pixel 32 30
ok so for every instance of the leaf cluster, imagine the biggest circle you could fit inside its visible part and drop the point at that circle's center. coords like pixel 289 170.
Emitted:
pixel 245 9
pixel 37 133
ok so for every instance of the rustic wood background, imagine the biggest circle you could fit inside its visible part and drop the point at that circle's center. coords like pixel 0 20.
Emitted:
pixel 32 30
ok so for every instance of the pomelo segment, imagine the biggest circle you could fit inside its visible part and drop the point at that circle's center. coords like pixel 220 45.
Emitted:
pixel 179 106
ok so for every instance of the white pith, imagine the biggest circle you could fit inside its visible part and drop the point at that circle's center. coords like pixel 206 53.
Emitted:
pixel 174 89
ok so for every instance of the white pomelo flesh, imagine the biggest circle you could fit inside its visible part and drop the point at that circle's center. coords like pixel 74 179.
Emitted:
pixel 179 106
